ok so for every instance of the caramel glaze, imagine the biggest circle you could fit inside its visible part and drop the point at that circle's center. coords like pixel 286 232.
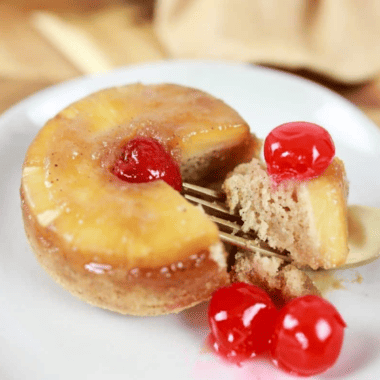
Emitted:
pixel 165 289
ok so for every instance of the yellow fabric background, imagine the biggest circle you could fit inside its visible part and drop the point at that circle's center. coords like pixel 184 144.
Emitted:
pixel 337 38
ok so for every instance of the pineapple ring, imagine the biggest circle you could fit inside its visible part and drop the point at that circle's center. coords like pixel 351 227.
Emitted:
pixel 137 249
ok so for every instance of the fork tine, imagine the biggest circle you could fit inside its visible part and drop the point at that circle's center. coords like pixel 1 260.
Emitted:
pixel 217 202
pixel 240 241
pixel 203 190
pixel 249 245
pixel 214 205
pixel 226 223
pixel 217 205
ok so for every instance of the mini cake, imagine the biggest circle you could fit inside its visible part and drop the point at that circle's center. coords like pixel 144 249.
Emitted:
pixel 134 248
pixel 306 217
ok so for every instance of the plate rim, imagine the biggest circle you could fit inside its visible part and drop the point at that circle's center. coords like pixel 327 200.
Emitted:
pixel 325 91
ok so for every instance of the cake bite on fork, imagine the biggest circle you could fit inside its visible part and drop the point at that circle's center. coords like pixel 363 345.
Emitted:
pixel 284 215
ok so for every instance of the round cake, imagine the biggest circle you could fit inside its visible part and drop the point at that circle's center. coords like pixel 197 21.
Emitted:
pixel 134 248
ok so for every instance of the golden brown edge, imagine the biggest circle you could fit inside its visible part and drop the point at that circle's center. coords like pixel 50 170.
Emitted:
pixel 148 291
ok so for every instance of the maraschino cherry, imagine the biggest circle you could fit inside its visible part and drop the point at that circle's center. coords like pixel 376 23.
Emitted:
pixel 308 336
pixel 241 317
pixel 144 159
pixel 298 150
pixel 305 337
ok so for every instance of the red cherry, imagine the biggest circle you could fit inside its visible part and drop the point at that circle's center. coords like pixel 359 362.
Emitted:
pixel 144 159
pixel 298 150
pixel 308 336
pixel 241 317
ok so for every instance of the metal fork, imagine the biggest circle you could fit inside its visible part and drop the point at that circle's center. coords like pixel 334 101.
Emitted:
pixel 229 224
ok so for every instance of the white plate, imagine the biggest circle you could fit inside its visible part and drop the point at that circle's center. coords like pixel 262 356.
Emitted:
pixel 45 333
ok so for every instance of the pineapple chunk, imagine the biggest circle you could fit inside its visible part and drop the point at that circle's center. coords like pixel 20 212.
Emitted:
pixel 326 197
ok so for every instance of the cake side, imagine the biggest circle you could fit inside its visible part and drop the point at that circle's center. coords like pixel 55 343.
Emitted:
pixel 116 286
pixel 212 165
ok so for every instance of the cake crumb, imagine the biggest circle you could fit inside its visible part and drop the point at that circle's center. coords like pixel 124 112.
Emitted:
pixel 281 280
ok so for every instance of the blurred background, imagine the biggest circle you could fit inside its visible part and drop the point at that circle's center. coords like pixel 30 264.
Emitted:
pixel 333 42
